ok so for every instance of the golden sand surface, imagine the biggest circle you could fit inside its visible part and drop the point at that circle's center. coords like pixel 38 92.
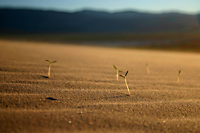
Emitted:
pixel 83 95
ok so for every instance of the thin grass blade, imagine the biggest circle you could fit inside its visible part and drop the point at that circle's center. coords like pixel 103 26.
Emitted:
pixel 121 76
pixel 115 67
pixel 126 73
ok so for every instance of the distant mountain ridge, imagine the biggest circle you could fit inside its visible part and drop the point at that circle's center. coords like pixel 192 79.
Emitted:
pixel 87 21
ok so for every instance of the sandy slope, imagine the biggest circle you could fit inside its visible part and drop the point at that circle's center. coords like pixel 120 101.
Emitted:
pixel 88 97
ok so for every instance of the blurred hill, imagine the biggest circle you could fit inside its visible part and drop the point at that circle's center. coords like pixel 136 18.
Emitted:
pixel 128 29
pixel 86 21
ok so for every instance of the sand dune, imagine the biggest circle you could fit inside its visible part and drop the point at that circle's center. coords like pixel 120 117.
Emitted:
pixel 83 95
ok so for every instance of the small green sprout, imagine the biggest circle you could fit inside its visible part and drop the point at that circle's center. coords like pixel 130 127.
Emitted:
pixel 50 63
pixel 178 76
pixel 126 82
pixel 147 68
pixel 117 71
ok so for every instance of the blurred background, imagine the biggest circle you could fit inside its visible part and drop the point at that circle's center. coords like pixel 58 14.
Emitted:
pixel 145 24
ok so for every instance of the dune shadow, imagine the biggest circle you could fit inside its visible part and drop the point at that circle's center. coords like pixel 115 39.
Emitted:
pixel 50 98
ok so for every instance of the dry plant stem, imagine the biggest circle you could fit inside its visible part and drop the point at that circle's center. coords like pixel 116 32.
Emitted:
pixel 116 72
pixel 117 75
pixel 178 80
pixel 147 69
pixel 49 70
pixel 127 87
pixel 50 66
pixel 178 76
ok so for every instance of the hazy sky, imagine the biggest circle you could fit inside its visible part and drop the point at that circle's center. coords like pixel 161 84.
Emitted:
pixel 156 6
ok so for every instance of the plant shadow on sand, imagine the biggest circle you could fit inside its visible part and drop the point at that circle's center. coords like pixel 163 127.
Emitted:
pixel 45 77
pixel 50 98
